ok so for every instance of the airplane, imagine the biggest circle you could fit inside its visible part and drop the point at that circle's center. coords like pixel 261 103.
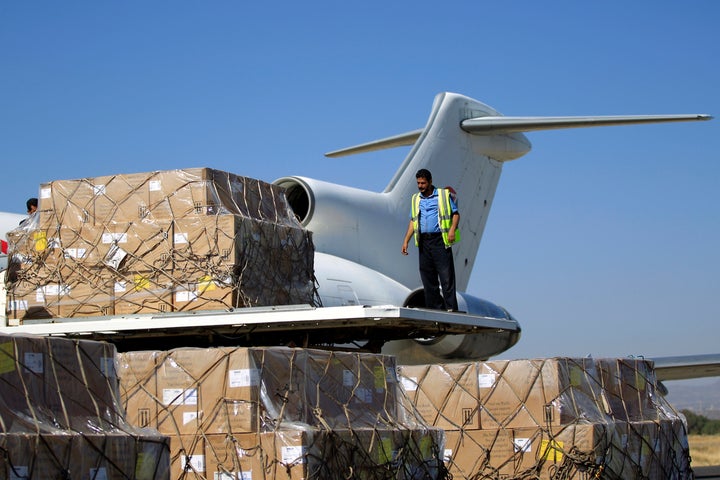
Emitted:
pixel 357 233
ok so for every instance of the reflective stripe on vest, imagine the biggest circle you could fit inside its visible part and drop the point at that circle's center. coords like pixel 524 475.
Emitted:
pixel 444 216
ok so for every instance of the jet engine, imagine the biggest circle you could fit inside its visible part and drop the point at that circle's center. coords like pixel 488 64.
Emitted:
pixel 448 348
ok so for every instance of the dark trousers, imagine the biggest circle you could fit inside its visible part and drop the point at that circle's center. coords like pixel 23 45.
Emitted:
pixel 437 268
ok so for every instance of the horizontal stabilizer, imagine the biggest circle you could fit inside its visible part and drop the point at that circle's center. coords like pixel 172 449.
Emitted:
pixel 402 140
pixel 505 125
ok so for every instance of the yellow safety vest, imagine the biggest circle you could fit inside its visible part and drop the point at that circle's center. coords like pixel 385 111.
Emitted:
pixel 444 216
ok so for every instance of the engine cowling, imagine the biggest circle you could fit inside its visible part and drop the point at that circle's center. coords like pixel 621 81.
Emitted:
pixel 448 348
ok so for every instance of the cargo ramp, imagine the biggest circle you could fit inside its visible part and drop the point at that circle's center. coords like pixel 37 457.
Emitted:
pixel 366 327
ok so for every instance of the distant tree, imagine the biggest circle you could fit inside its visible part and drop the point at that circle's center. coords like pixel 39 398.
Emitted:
pixel 701 425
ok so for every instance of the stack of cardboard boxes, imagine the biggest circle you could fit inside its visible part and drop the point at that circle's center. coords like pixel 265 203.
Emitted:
pixel 274 413
pixel 179 240
pixel 61 417
pixel 551 418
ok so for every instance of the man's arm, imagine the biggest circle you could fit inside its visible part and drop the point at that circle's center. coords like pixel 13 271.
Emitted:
pixel 453 226
pixel 408 236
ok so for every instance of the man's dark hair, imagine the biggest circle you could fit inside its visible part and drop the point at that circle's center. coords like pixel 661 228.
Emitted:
pixel 32 202
pixel 424 173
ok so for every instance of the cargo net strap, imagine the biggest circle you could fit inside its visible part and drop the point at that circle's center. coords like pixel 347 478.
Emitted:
pixel 88 254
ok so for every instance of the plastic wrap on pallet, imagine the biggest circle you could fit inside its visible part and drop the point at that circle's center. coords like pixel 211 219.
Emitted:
pixel 180 240
pixel 296 412
pixel 60 414
pixel 72 455
pixel 551 418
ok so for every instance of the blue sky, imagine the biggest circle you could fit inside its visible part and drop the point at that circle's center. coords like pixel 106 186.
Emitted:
pixel 601 241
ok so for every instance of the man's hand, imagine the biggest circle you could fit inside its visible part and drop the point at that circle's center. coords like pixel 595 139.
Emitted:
pixel 408 236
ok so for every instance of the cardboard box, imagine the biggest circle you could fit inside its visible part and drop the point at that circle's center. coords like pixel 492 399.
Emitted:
pixel 99 200
pixel 74 246
pixel 23 377
pixel 192 390
pixel 164 195
pixel 184 378
pixel 406 452
pixel 445 396
pixel 27 300
pixel 237 457
pixel 210 289
pixel 91 297
pixel 149 292
pixel 72 455
pixel 229 229
pixel 232 417
pixel 550 449
pixel 242 390
pixel 177 194
pixel 138 386
pixel 479 453
pixel 629 385
pixel 119 198
pixel 349 390
pixel 119 456
pixel 296 454
pixel 67 201
pixel 83 384
pixel 206 240
pixel 232 402
pixel 526 393
pixel 187 457
pixel 136 246
pixel 60 383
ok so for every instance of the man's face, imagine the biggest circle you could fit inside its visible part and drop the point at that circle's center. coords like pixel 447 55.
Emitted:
pixel 424 186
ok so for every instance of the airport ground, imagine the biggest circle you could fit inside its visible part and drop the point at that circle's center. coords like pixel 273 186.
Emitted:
pixel 705 454
pixel 704 450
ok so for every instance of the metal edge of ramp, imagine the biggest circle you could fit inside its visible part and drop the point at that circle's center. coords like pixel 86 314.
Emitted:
pixel 277 318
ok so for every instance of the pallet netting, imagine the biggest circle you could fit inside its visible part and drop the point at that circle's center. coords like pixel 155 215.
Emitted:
pixel 180 240
pixel 280 413
pixel 553 418
pixel 61 416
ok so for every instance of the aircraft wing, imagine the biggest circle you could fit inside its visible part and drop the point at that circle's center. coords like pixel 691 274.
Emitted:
pixel 687 366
